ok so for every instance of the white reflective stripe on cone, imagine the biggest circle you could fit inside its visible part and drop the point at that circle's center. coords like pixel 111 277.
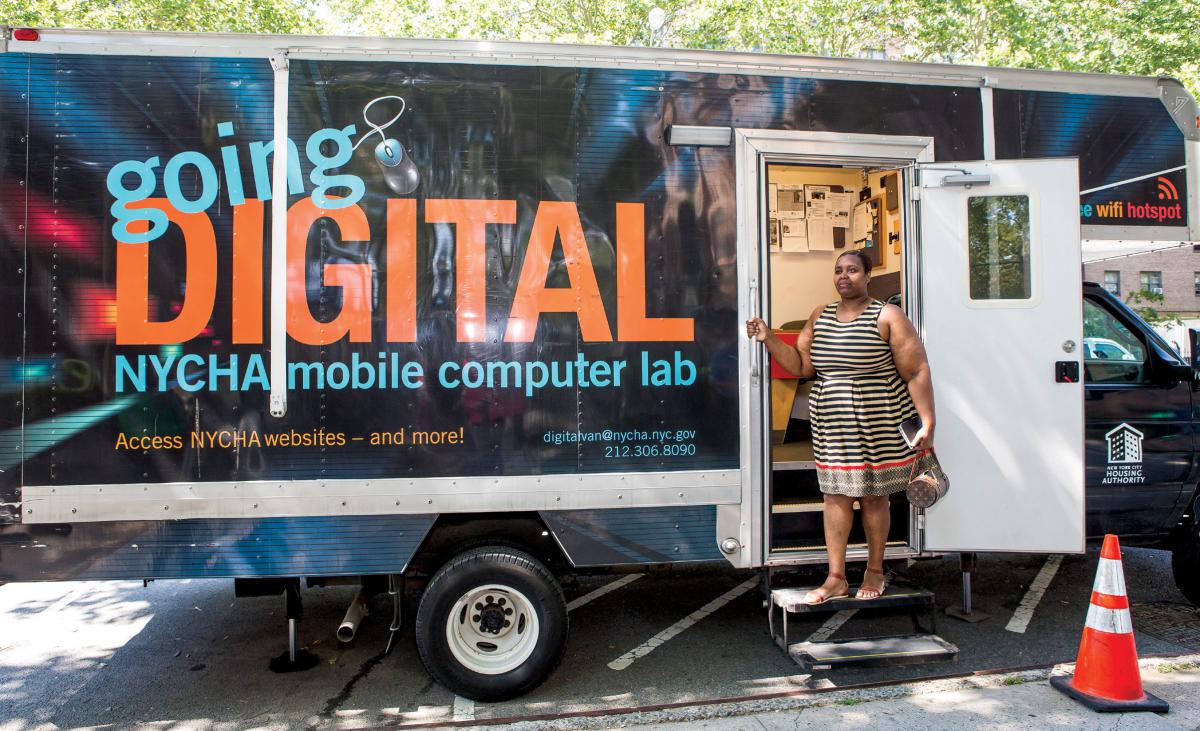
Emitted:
pixel 1109 578
pixel 1112 621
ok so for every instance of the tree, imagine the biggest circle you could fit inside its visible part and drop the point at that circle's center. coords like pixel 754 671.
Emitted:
pixel 846 28
pixel 1105 36
pixel 243 16
pixel 1148 305
pixel 566 21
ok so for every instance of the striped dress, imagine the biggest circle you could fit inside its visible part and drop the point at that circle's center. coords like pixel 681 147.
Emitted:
pixel 856 407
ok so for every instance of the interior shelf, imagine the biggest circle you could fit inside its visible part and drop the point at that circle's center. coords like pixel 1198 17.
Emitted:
pixel 796 455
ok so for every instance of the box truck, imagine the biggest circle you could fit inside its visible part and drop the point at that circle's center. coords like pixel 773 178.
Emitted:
pixel 470 314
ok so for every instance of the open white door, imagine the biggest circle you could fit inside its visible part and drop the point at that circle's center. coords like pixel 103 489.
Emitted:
pixel 1001 314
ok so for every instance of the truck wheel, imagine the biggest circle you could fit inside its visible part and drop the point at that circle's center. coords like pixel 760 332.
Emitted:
pixel 492 624
pixel 1185 563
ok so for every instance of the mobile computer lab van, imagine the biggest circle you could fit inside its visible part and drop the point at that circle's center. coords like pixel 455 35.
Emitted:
pixel 285 308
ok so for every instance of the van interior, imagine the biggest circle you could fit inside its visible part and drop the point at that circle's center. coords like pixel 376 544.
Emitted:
pixel 815 213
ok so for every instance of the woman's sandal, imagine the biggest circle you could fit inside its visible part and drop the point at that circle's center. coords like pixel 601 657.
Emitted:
pixel 865 592
pixel 822 596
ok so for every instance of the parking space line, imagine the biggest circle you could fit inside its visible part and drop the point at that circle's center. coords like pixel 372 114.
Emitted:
pixel 63 601
pixel 661 638
pixel 578 602
pixel 833 624
pixel 464 709
pixel 1024 612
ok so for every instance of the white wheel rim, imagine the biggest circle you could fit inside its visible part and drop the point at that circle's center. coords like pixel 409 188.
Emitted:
pixel 492 629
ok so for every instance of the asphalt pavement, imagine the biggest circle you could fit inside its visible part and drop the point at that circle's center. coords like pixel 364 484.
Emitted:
pixel 682 644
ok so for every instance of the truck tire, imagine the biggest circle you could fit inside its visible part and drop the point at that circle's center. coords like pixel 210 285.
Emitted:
pixel 1185 563
pixel 492 624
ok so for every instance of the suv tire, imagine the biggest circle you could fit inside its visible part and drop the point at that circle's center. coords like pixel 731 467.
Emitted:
pixel 1185 562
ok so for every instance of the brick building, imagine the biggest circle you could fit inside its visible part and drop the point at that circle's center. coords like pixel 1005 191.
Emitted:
pixel 1174 273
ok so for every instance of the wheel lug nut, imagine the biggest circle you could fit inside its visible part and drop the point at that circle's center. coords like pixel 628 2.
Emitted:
pixel 478 605
pixel 501 602
pixel 488 600
pixel 507 623
pixel 508 611
pixel 475 618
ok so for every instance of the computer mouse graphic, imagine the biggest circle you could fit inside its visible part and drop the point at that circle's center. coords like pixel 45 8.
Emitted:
pixel 399 171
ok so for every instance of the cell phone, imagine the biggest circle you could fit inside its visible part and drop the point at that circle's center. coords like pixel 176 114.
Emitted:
pixel 909 429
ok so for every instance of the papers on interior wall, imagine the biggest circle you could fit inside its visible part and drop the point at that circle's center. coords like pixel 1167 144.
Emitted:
pixel 819 211
pixel 772 198
pixel 840 205
pixel 861 222
pixel 868 225
pixel 816 198
pixel 793 235
pixel 828 216
pixel 789 201
pixel 820 234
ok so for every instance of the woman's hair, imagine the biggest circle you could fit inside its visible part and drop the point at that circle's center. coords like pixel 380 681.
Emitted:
pixel 863 259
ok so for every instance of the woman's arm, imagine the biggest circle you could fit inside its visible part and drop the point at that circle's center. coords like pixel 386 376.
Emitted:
pixel 913 366
pixel 794 360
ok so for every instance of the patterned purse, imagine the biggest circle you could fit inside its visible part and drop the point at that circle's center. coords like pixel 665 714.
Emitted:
pixel 930 485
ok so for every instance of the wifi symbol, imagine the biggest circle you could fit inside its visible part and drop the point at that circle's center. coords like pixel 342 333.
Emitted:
pixel 1166 190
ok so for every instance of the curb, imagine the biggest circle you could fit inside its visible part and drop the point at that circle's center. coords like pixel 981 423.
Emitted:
pixel 792 700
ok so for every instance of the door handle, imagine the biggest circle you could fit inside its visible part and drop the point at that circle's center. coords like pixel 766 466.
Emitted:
pixel 756 347
pixel 1066 371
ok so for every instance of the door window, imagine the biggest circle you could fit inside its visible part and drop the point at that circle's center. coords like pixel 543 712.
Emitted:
pixel 998 247
pixel 1112 354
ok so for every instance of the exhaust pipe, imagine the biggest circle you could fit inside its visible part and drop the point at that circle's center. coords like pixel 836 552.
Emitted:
pixel 354 615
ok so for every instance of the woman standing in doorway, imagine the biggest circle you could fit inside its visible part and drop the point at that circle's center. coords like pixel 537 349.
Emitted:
pixel 872 374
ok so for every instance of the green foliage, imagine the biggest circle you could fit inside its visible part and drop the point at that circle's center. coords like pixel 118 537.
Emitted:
pixel 844 28
pixel 1107 36
pixel 1148 305
pixel 564 21
pixel 241 16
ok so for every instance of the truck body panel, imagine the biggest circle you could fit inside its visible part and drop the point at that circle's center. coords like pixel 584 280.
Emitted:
pixel 454 346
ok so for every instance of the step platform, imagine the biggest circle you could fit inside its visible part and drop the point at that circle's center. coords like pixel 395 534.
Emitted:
pixel 899 593
pixel 872 652
pixel 920 647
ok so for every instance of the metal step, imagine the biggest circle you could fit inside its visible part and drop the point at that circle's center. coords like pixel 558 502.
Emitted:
pixel 872 652
pixel 899 594
pixel 919 647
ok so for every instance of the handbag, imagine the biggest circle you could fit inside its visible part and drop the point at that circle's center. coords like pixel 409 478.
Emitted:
pixel 930 484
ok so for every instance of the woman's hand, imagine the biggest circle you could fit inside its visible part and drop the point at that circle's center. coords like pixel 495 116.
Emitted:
pixel 757 329
pixel 923 439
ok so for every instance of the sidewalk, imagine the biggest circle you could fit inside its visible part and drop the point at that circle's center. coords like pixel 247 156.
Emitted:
pixel 1021 700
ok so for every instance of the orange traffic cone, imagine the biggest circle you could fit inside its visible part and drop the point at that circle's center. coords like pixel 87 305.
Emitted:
pixel 1106 673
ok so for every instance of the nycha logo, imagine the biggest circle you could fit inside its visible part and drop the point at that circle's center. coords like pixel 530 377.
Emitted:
pixel 1124 445
pixel 1124 456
